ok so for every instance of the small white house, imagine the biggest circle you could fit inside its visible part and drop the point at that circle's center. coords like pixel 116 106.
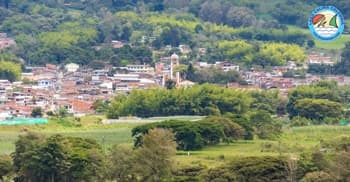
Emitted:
pixel 46 83
pixel 71 67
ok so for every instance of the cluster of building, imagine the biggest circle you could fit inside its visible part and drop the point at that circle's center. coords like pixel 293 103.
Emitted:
pixel 77 88
pixel 274 79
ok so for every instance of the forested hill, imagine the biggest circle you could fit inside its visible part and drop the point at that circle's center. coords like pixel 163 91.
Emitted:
pixel 234 13
pixel 61 31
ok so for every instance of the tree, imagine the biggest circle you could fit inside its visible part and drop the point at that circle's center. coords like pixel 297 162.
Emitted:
pixel 189 135
pixel 240 16
pixel 311 92
pixel 5 166
pixel 190 72
pixel 100 106
pixel 251 169
pixel 10 71
pixel 232 130
pixel 57 158
pixel 318 109
pixel 265 126
pixel 174 36
pixel 120 163
pixel 219 175
pixel 170 84
pixel 318 176
pixel 274 54
pixel 63 112
pixel 213 11
pixel 159 146
pixel 37 112
pixel 237 51
pixel 343 66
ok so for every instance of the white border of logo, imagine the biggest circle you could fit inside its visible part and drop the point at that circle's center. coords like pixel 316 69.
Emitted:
pixel 340 28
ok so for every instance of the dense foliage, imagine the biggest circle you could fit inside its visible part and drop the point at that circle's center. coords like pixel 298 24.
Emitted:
pixel 197 100
pixel 214 129
pixel 10 71
pixel 81 32
pixel 250 169
pixel 189 135
pixel 57 158
pixel 317 102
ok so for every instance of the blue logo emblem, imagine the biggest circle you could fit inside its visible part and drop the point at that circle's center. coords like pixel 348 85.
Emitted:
pixel 326 23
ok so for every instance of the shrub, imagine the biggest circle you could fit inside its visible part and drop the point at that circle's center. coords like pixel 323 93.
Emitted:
pixel 189 135
pixel 318 176
pixel 259 169
pixel 5 166
pixel 232 130
pixel 300 121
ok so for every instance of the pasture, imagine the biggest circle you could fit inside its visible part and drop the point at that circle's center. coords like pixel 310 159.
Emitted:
pixel 292 142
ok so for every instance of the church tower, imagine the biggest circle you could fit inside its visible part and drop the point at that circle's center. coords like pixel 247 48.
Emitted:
pixel 174 62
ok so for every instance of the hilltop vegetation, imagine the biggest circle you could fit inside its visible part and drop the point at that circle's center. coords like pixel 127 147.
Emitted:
pixel 244 32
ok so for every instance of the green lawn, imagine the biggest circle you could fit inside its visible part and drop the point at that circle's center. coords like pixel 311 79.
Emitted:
pixel 338 43
pixel 293 141
pixel 91 127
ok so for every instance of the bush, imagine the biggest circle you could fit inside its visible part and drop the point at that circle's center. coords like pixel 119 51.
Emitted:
pixel 300 121
pixel 256 169
pixel 37 112
pixel 232 130
pixel 219 175
pixel 259 169
pixel 244 122
pixel 266 127
pixel 5 166
pixel 318 176
pixel 189 135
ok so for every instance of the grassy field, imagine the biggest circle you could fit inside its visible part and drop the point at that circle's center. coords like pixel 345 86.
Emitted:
pixel 90 127
pixel 292 142
pixel 336 44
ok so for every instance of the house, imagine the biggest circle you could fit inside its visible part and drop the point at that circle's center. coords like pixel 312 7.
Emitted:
pixel 145 68
pixel 117 44
pixel 224 65
pixel 6 42
pixel 71 67
pixel 186 84
pixel 147 39
pixel 80 107
pixel 159 67
pixel 318 59
pixel 227 66
pixel 202 51
pixel 18 110
pixel 47 83
pixel 185 49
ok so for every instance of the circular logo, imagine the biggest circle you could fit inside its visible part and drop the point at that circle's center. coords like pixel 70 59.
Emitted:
pixel 326 23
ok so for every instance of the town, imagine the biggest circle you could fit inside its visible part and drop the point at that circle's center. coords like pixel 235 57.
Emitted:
pixel 76 88
pixel 174 90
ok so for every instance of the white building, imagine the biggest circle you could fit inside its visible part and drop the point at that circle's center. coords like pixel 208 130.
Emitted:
pixel 145 68
pixel 46 83
pixel 71 67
